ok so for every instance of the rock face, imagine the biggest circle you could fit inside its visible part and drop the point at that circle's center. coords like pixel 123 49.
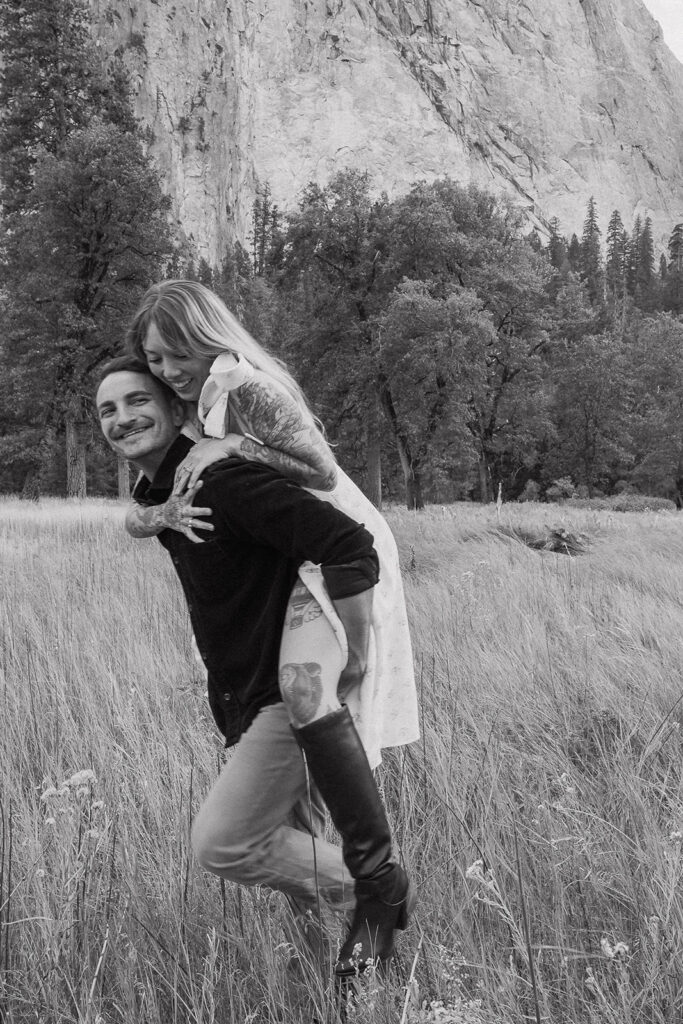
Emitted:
pixel 550 102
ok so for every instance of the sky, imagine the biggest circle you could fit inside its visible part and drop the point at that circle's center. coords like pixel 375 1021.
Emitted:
pixel 669 14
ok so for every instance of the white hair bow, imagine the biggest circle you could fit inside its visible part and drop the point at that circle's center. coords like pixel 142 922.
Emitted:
pixel 227 372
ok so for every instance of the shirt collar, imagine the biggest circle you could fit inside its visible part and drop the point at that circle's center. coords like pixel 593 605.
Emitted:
pixel 156 491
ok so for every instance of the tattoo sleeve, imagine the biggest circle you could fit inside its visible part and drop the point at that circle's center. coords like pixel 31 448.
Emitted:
pixel 143 522
pixel 148 522
pixel 291 444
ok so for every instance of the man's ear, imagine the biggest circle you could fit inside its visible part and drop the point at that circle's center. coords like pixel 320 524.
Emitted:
pixel 178 411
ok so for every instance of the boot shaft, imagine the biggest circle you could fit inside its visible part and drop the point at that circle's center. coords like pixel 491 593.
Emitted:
pixel 340 769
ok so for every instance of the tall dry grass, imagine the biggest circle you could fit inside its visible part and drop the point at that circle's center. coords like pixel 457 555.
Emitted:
pixel 541 814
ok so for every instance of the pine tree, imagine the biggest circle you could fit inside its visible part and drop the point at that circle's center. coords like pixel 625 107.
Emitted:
pixel 205 274
pixel 676 249
pixel 262 228
pixel 615 263
pixel 590 255
pixel 574 254
pixel 645 262
pixel 277 240
pixel 84 227
pixel 674 281
pixel 632 251
pixel 256 228
pixel 557 245
pixel 663 268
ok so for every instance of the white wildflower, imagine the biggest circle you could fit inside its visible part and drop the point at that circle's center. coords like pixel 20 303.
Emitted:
pixel 617 950
pixel 475 870
pixel 477 873
pixel 82 778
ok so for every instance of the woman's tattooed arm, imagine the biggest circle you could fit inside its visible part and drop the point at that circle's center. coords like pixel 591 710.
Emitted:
pixel 299 470
pixel 290 443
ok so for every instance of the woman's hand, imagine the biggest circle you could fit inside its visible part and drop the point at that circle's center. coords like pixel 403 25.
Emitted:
pixel 179 513
pixel 203 454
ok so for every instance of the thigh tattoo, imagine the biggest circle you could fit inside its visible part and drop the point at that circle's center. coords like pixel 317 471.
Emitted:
pixel 302 607
pixel 302 690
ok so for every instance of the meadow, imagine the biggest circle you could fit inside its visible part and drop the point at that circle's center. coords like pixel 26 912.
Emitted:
pixel 541 813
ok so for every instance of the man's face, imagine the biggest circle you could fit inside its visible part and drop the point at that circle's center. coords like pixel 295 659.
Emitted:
pixel 137 418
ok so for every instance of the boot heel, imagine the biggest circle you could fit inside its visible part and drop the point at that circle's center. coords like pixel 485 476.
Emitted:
pixel 407 908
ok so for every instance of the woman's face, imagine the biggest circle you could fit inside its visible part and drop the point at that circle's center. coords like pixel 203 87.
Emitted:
pixel 186 374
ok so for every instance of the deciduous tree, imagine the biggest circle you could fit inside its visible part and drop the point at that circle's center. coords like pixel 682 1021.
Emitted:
pixel 593 387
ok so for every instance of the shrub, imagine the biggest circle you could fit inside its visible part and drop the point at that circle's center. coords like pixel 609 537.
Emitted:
pixel 560 489
pixel 531 492
pixel 641 503
pixel 626 503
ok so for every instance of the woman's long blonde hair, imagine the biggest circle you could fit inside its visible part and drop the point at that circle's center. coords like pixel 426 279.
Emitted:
pixel 193 320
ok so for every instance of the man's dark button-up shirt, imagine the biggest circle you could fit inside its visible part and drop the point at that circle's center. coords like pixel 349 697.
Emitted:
pixel 237 583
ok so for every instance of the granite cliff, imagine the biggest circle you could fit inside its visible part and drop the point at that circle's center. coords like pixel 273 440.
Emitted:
pixel 550 102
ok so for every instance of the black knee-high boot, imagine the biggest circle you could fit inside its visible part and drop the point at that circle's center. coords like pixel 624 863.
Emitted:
pixel 339 766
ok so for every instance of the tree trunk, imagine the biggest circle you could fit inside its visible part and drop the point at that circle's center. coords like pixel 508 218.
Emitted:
pixel 416 490
pixel 411 477
pixel 679 483
pixel 123 478
pixel 485 491
pixel 44 453
pixel 373 487
pixel 75 457
pixel 410 473
pixel 30 490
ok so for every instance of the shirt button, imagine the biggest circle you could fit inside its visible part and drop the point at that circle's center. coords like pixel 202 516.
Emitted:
pixel 227 697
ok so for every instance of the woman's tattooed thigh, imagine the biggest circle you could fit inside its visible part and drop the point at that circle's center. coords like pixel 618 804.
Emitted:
pixel 302 607
pixel 302 690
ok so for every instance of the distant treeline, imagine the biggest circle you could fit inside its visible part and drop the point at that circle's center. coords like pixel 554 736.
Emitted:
pixel 448 352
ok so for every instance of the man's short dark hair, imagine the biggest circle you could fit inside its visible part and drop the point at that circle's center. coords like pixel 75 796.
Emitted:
pixel 131 364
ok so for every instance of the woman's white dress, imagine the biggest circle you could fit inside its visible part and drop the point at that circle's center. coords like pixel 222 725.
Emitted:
pixel 384 705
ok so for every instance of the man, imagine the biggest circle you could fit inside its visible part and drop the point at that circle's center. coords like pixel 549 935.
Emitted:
pixel 238 586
